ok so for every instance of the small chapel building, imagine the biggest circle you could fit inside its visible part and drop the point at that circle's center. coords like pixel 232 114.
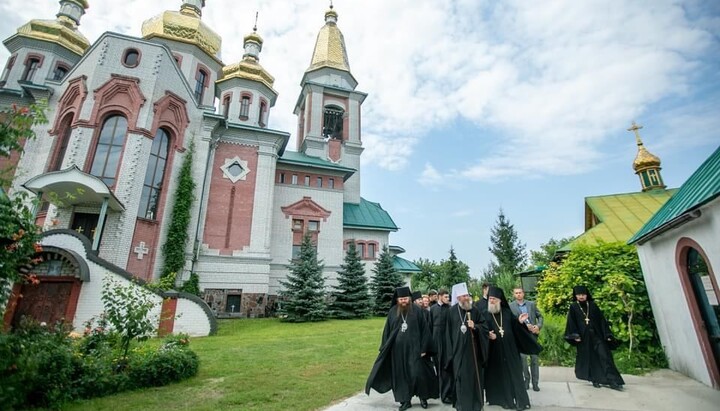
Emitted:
pixel 124 112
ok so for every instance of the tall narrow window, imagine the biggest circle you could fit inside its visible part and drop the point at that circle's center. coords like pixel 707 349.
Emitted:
pixel 307 181
pixel 293 180
pixel 244 107
pixel 8 67
pixel 226 106
pixel 331 182
pixel 261 116
pixel 319 181
pixel 281 179
pixel 59 73
pixel 62 144
pixel 109 148
pixel 361 249
pixel 371 251
pixel 30 69
pixel 200 79
pixel 152 187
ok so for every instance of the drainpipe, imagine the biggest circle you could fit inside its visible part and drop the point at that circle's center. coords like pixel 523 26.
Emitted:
pixel 214 141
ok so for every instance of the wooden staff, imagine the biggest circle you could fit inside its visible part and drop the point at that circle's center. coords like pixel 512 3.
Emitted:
pixel 477 370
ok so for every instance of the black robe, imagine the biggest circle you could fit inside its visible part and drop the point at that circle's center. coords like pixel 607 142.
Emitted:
pixel 594 360
pixel 427 386
pixel 504 383
pixel 438 318
pixel 399 362
pixel 466 355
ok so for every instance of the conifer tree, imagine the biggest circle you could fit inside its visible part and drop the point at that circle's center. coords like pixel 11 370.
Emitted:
pixel 453 271
pixel 303 293
pixel 351 294
pixel 385 280
pixel 507 249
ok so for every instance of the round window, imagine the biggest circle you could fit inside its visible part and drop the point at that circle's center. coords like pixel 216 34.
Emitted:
pixel 131 58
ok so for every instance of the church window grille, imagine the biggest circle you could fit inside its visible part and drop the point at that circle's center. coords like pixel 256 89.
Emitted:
pixel 333 122
pixel 106 158
pixel 30 69
pixel 244 107
pixel 131 58
pixel 154 176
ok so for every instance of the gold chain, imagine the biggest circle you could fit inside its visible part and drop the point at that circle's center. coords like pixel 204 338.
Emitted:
pixel 586 314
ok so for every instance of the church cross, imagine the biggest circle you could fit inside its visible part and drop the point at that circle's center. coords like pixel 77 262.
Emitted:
pixel 79 229
pixel 634 128
pixel 141 250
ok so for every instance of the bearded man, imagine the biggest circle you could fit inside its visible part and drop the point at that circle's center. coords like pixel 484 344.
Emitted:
pixel 467 344
pixel 509 336
pixel 405 343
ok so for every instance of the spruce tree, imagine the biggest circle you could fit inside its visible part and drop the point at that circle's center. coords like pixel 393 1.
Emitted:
pixel 507 249
pixel 303 294
pixel 351 294
pixel 385 280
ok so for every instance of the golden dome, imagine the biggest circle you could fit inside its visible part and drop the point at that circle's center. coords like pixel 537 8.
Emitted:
pixel 248 69
pixel 644 159
pixel 62 31
pixel 184 26
pixel 253 37
pixel 330 46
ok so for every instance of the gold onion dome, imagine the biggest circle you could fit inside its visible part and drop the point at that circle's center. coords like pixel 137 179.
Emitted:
pixel 644 159
pixel 184 26
pixel 330 46
pixel 63 30
pixel 249 67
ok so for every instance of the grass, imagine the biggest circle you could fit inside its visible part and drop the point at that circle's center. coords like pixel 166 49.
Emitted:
pixel 263 364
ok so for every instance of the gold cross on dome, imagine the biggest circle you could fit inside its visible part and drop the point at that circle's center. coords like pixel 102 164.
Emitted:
pixel 634 128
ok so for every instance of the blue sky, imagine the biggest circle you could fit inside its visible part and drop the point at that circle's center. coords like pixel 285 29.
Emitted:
pixel 476 105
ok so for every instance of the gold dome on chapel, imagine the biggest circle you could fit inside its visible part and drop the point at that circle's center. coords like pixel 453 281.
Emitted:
pixel 185 26
pixel 330 48
pixel 62 31
pixel 644 159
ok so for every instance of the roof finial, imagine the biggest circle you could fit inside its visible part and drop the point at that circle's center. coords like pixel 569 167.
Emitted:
pixel 255 26
pixel 635 127
pixel 331 5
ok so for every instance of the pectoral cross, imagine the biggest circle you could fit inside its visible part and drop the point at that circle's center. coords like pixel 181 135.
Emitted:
pixel 587 321
pixel 502 332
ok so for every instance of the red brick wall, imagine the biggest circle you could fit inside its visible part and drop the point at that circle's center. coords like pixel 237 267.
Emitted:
pixel 228 222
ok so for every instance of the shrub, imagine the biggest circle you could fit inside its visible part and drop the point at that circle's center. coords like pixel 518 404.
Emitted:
pixel 127 308
pixel 556 351
pixel 172 361
pixel 192 285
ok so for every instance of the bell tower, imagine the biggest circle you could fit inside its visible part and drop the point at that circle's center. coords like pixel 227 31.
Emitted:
pixel 329 107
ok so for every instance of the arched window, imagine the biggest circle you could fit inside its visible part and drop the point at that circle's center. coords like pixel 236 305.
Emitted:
pixel 131 58
pixel 226 106
pixel 244 107
pixel 200 80
pixel 154 176
pixel 62 144
pixel 263 112
pixel 8 67
pixel 109 148
pixel 31 67
pixel 333 122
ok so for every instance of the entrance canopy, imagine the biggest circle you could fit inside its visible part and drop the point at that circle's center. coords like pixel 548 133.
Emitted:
pixel 71 187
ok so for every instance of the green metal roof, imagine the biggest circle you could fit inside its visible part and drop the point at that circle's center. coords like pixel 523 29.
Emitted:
pixel 402 265
pixel 619 215
pixel 702 187
pixel 367 215
pixel 302 159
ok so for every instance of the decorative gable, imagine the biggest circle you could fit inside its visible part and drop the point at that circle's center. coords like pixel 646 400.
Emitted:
pixel 306 208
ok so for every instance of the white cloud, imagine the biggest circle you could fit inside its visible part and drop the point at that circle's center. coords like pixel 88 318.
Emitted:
pixel 553 80
pixel 430 176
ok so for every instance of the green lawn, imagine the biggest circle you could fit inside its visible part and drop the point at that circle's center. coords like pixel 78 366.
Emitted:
pixel 262 364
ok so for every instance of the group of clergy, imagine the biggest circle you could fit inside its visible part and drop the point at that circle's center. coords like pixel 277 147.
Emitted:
pixel 454 351
pixel 461 352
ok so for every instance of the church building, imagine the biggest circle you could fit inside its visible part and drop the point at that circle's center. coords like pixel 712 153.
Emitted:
pixel 124 112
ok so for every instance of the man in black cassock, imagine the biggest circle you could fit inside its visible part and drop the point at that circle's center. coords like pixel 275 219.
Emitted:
pixel 426 377
pixel 589 332
pixel 438 318
pixel 405 343
pixel 467 342
pixel 509 336
pixel 483 302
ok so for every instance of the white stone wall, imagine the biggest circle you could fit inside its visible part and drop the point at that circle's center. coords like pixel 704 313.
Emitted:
pixel 191 317
pixel 675 326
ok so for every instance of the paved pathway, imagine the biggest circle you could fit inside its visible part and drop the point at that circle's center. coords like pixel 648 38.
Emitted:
pixel 561 391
